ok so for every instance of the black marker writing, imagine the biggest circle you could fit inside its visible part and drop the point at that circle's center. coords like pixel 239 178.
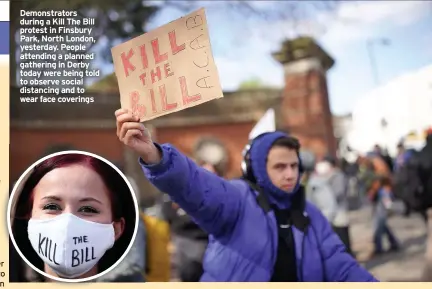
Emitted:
pixel 192 22
pixel 205 65
pixel 80 239
pixel 195 44
pixel 47 248
pixel 203 85
pixel 81 256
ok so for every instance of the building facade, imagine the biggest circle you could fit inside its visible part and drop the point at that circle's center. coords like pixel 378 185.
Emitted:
pixel 302 109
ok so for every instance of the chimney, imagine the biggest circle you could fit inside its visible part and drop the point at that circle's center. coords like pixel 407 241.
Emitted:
pixel 305 110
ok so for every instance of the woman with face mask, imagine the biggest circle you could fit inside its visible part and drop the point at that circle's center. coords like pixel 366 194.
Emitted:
pixel 74 217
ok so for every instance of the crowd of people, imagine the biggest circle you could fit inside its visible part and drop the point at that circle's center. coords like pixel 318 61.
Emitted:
pixel 328 185
pixel 379 180
pixel 284 220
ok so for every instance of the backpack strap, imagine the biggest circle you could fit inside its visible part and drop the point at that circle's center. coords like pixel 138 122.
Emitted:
pixel 261 198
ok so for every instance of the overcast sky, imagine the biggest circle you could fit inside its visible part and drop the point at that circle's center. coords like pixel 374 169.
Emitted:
pixel 242 50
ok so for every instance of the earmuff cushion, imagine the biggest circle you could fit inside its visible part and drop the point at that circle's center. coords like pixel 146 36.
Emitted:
pixel 262 148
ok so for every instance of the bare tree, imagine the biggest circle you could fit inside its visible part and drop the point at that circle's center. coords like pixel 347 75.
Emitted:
pixel 116 20
pixel 284 19
pixel 297 13
pixel 119 20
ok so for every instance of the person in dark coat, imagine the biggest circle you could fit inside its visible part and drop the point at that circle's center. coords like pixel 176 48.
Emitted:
pixel 189 239
pixel 425 175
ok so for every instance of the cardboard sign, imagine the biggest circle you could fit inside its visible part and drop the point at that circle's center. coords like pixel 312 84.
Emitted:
pixel 167 69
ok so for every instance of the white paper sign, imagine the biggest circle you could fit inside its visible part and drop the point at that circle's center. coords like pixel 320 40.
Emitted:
pixel 267 123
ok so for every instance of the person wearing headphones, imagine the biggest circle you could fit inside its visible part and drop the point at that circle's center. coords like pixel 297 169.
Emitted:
pixel 261 228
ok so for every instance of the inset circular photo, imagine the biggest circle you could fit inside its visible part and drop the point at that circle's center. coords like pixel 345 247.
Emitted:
pixel 72 216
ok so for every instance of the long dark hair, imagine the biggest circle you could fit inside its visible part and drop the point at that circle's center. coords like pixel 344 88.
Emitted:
pixel 122 206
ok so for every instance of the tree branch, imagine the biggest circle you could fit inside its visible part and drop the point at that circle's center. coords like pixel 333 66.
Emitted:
pixel 182 6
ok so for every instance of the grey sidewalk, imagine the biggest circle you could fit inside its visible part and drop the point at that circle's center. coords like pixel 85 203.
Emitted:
pixel 406 265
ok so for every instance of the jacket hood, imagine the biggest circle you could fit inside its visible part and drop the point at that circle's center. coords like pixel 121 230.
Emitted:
pixel 259 151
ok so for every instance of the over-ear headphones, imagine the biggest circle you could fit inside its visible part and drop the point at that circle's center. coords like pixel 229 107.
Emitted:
pixel 246 165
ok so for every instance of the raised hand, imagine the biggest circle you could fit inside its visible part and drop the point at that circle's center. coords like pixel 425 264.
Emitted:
pixel 136 136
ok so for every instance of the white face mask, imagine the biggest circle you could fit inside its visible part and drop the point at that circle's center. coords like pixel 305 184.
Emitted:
pixel 71 246
pixel 322 168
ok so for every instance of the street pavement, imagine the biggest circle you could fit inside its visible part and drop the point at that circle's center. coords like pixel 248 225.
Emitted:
pixel 406 265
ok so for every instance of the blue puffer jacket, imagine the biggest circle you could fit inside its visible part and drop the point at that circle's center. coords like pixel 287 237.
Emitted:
pixel 244 239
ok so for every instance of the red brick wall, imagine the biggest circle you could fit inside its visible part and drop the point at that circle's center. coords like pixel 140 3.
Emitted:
pixel 27 145
pixel 306 112
pixel 233 136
